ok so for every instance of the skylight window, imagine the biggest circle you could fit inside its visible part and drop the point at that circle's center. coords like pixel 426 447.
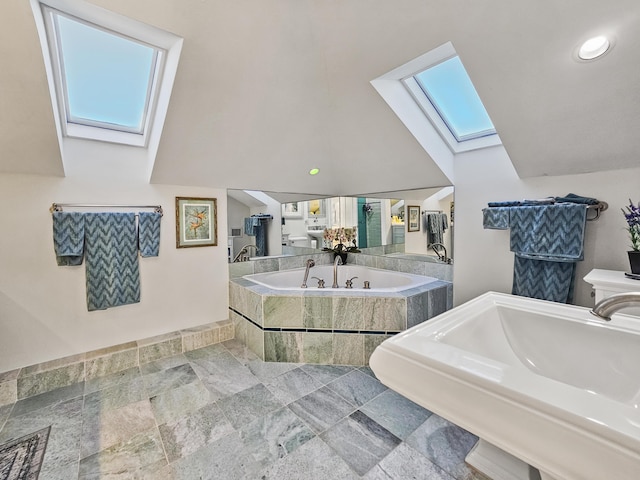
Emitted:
pixel 433 94
pixel 107 78
pixel 110 77
pixel 449 89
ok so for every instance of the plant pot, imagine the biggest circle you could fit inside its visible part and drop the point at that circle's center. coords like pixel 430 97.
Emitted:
pixel 634 261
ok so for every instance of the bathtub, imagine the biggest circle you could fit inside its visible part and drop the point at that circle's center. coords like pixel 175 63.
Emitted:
pixel 540 383
pixel 379 280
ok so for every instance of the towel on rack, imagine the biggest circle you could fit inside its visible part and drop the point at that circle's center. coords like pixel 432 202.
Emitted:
pixel 508 203
pixel 547 240
pixel 518 203
pixel 495 218
pixel 113 277
pixel 261 234
pixel 553 281
pixel 149 233
pixel 573 198
pixel 68 237
pixel 435 225
pixel 249 227
pixel 551 232
pixel 539 201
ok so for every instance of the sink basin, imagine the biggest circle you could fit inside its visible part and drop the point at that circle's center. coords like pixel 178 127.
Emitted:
pixel 548 384
pixel 317 232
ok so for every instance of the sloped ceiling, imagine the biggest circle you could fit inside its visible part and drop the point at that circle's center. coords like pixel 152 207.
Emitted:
pixel 267 89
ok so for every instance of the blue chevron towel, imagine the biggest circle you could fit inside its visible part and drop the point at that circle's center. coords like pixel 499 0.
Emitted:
pixel 508 203
pixel 112 271
pixel 260 223
pixel 495 218
pixel 551 232
pixel 435 224
pixel 149 233
pixel 573 198
pixel 548 240
pixel 553 281
pixel 68 237
pixel 249 227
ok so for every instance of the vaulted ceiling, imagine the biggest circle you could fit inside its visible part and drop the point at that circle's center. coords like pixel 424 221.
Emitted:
pixel 267 89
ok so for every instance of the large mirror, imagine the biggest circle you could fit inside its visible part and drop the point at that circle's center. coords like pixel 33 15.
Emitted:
pixel 379 222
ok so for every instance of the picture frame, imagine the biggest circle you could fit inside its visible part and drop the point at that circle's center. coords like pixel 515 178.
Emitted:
pixel 196 222
pixel 413 218
pixel 292 210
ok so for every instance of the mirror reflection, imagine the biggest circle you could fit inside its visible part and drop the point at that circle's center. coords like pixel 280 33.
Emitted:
pixel 378 224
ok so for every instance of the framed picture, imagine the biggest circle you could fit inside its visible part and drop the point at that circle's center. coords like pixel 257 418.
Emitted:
pixel 413 214
pixel 196 222
pixel 292 210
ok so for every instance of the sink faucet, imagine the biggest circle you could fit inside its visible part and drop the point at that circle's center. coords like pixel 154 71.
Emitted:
pixel 336 262
pixel 310 263
pixel 608 306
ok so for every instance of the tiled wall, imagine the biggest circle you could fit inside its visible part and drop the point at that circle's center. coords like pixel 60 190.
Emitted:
pixel 441 271
pixel 275 264
pixel 43 377
pixel 373 258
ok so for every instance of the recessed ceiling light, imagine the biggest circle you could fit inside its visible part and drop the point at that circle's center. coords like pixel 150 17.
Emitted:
pixel 594 47
pixel 314 171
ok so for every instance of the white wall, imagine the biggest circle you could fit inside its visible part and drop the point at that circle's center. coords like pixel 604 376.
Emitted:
pixel 43 312
pixel 236 213
pixel 483 261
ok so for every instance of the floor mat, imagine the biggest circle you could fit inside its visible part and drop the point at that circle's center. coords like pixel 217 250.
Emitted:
pixel 21 459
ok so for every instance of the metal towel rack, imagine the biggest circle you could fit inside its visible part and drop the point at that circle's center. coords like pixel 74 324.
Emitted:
pixel 57 207
pixel 598 208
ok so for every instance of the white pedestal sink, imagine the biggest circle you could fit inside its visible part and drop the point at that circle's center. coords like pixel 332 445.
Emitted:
pixel 547 383
pixel 316 232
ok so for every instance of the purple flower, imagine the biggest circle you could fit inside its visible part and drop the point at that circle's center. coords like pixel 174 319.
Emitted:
pixel 632 216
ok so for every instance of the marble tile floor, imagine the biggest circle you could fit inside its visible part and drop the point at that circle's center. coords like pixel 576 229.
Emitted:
pixel 221 413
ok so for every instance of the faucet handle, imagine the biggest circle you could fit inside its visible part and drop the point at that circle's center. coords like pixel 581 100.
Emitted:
pixel 350 282
pixel 320 282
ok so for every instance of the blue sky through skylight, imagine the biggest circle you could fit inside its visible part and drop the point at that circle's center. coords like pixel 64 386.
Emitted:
pixel 107 77
pixel 451 92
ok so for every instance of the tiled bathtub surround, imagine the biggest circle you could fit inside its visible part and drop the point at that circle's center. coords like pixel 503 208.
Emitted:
pixel 441 271
pixel 330 327
pixel 275 264
pixel 91 366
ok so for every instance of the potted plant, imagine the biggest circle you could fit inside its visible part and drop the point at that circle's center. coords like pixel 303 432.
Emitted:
pixel 342 236
pixel 632 216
